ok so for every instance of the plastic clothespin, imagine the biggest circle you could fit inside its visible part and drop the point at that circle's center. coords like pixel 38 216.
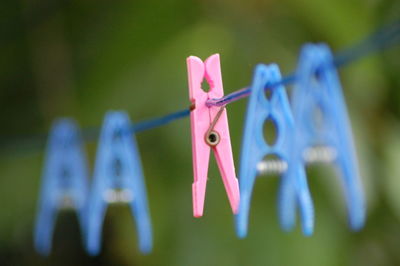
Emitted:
pixel 64 181
pixel 254 146
pixel 321 120
pixel 209 127
pixel 118 177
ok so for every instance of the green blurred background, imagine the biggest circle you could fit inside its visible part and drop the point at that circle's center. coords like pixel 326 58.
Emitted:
pixel 82 58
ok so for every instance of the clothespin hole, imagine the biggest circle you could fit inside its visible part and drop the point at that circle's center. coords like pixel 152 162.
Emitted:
pixel 64 144
pixel 270 131
pixel 65 176
pixel 65 173
pixel 320 69
pixel 315 78
pixel 117 135
pixel 268 93
pixel 205 86
pixel 117 166
pixel 73 140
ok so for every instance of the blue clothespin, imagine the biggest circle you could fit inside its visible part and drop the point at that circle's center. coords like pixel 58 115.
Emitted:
pixel 64 181
pixel 323 128
pixel 117 177
pixel 255 148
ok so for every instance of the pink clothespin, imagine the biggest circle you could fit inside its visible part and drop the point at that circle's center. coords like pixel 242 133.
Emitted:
pixel 209 126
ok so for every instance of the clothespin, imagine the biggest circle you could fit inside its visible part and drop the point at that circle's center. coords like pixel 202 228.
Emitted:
pixel 323 130
pixel 64 181
pixel 276 108
pixel 209 127
pixel 118 177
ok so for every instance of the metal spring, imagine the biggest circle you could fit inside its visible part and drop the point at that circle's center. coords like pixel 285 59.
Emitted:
pixel 118 196
pixel 275 166
pixel 66 202
pixel 317 154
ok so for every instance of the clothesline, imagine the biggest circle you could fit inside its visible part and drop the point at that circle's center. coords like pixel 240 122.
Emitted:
pixel 382 39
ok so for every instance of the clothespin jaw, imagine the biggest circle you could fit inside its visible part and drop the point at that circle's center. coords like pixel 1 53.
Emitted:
pixel 118 177
pixel 322 120
pixel 64 181
pixel 210 130
pixel 255 147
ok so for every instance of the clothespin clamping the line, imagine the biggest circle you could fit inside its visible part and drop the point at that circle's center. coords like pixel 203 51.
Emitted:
pixel 118 177
pixel 255 148
pixel 64 181
pixel 323 132
pixel 210 130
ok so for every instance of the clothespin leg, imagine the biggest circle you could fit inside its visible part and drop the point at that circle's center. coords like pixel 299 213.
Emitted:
pixel 225 163
pixel 305 202
pixel 287 203
pixel 198 191
pixel 94 224
pixel 201 157
pixel 141 211
pixel 346 161
pixel 143 226
pixel 253 150
pixel 246 190
pixel 294 190
pixel 354 194
pixel 44 229
pixel 82 219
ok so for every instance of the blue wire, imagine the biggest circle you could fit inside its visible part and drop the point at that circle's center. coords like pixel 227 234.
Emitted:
pixel 156 122
pixel 92 134
pixel 383 38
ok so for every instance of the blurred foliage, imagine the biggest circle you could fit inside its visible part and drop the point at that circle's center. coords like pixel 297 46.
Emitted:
pixel 82 58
